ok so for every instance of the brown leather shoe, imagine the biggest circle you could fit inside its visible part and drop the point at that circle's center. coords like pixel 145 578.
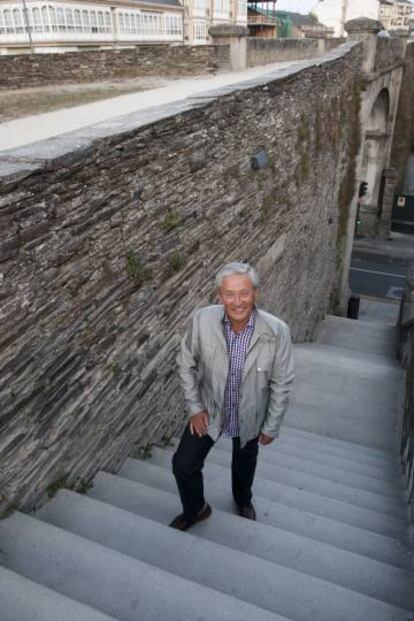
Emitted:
pixel 247 512
pixel 181 523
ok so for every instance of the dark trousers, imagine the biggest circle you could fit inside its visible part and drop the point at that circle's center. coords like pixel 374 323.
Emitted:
pixel 188 462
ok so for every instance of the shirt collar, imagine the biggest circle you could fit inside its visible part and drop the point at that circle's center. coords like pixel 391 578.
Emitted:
pixel 250 323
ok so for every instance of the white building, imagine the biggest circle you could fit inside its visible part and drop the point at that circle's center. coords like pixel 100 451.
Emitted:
pixel 70 25
pixel 396 14
pixel 335 13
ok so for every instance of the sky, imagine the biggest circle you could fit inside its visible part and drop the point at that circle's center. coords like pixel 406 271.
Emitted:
pixel 299 6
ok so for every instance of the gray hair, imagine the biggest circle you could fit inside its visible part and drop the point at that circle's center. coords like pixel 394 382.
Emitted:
pixel 237 268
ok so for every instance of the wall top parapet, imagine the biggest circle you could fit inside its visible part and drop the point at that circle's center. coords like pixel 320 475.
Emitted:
pixel 228 30
pixel 18 162
pixel 363 24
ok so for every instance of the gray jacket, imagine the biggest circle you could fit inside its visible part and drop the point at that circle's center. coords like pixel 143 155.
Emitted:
pixel 268 372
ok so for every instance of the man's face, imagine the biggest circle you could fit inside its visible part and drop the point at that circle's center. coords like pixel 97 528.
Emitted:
pixel 238 296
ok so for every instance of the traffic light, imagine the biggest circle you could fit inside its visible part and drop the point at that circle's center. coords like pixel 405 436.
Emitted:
pixel 363 189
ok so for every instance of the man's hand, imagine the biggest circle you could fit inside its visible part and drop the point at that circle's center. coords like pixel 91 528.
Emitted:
pixel 264 439
pixel 199 423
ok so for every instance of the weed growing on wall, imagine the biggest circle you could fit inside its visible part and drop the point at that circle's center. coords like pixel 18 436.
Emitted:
pixel 176 261
pixel 171 221
pixel 135 270
pixel 304 134
pixel 60 483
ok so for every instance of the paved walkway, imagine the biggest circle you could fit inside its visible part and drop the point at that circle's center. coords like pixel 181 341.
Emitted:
pixel 24 131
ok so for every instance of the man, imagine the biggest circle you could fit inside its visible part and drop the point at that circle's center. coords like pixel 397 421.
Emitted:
pixel 236 369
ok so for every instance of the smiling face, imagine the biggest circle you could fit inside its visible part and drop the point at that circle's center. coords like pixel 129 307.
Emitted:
pixel 238 297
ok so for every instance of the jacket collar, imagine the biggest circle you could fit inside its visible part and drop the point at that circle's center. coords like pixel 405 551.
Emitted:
pixel 261 332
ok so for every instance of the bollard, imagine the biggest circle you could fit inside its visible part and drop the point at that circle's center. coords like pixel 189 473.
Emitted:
pixel 353 307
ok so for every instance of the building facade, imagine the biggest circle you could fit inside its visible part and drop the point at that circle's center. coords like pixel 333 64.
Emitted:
pixel 69 25
pixel 335 13
pixel 396 14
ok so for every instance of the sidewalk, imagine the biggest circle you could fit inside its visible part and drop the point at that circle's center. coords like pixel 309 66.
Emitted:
pixel 24 131
pixel 399 246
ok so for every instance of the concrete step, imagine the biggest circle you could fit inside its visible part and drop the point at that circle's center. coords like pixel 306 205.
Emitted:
pixel 218 477
pixel 272 456
pixel 112 582
pixel 319 351
pixel 285 446
pixel 286 552
pixel 339 448
pixel 389 551
pixel 330 368
pixel 350 426
pixel 374 546
pixel 358 328
pixel 366 337
pixel 24 600
pixel 302 481
pixel 345 391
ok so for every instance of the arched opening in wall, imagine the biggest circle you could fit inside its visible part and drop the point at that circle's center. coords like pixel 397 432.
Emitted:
pixel 374 160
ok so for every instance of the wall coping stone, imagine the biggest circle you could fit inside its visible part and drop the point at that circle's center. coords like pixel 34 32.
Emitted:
pixel 25 160
pixel 228 30
pixel 363 24
pixel 371 76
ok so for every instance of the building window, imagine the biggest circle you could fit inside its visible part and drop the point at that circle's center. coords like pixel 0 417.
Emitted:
pixel 200 31
pixel 60 20
pixel 70 22
pixel 52 18
pixel 18 21
pixel 8 21
pixel 37 20
pixel 78 20
pixel 45 18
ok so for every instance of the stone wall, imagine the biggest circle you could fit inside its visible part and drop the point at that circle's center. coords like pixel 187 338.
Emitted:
pixel 92 66
pixel 389 51
pixel 403 141
pixel 111 237
pixel 406 355
pixel 263 51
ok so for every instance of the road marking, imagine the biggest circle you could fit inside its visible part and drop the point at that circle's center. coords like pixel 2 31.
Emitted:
pixel 358 269
pixel 395 293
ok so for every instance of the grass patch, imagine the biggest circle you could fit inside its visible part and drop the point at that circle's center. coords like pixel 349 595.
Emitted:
pixel 60 483
pixel 135 270
pixel 171 221
pixel 176 262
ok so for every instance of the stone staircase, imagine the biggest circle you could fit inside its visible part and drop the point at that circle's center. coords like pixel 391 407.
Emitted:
pixel 331 542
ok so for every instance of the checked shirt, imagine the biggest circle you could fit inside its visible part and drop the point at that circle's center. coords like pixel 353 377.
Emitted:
pixel 237 345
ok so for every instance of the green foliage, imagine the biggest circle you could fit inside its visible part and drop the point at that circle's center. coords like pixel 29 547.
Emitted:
pixel 267 205
pixel 8 512
pixel 83 487
pixel 171 221
pixel 313 18
pixel 176 261
pixel 318 132
pixel 145 452
pixel 135 270
pixel 116 369
pixel 303 169
pixel 303 129
pixel 60 483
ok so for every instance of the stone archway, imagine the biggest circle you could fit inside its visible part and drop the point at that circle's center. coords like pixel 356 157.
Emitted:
pixel 376 147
